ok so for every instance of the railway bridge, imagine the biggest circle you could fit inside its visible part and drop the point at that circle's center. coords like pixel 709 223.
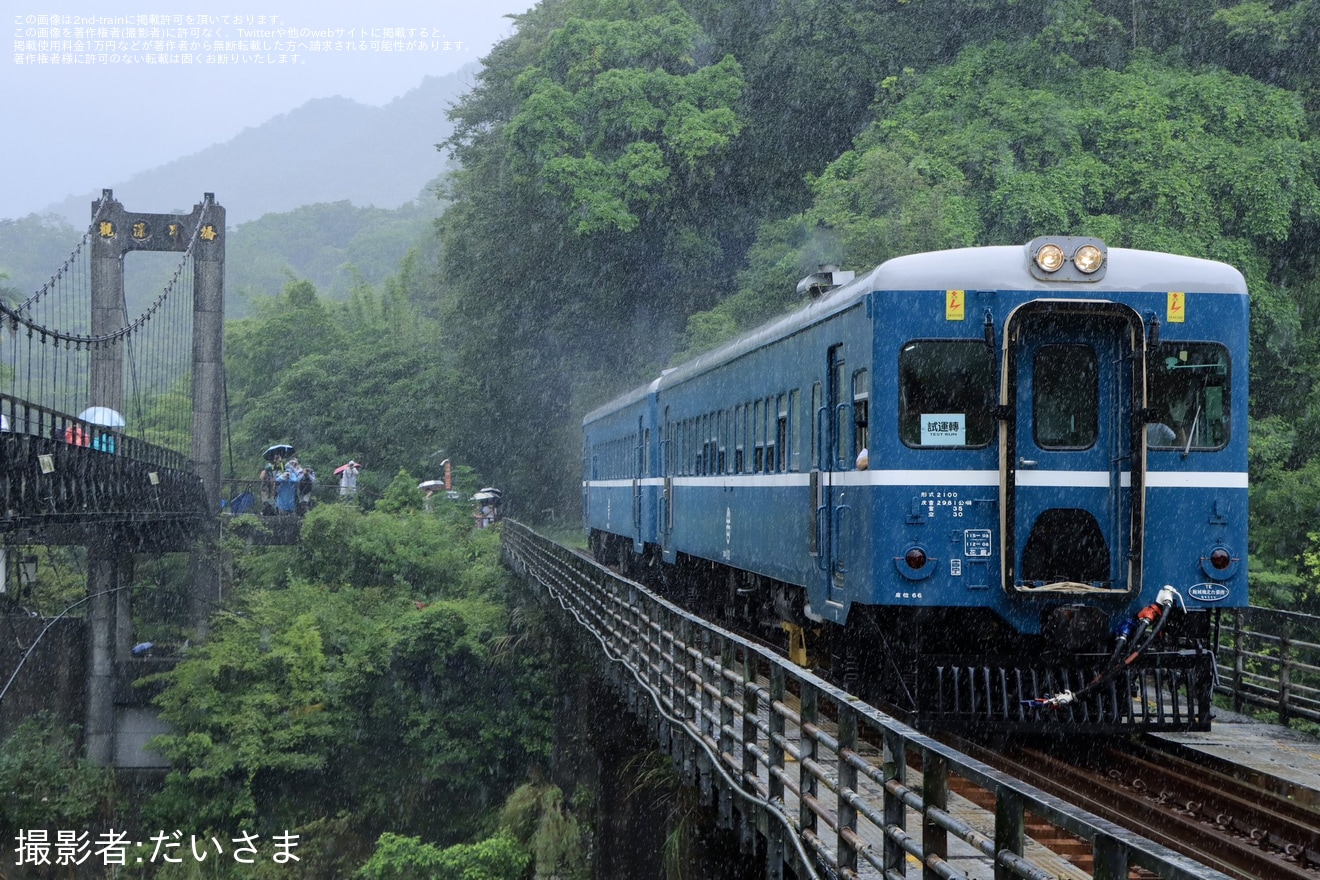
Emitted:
pixel 808 778
pixel 110 438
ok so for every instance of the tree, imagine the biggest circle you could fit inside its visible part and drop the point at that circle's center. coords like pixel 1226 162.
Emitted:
pixel 984 152
pixel 45 783
pixel 598 142
pixel 405 858
pixel 394 701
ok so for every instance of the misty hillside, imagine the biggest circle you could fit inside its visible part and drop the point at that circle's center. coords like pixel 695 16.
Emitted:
pixel 328 150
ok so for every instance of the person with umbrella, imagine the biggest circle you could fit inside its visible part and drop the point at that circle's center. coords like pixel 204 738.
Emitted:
pixel 348 474
pixel 102 417
pixel 274 456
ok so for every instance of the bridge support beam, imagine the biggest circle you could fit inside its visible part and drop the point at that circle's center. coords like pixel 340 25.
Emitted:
pixel 109 629
pixel 208 370
pixel 110 626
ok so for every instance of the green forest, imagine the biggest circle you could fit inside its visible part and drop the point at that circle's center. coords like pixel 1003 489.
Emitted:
pixel 636 181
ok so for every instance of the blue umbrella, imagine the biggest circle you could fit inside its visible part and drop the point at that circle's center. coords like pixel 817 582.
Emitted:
pixel 283 450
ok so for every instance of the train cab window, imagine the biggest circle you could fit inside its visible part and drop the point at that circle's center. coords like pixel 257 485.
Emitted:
pixel 1066 402
pixel 1189 390
pixel 946 393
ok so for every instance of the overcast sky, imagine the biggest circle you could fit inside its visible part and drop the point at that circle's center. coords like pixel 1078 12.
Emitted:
pixel 127 85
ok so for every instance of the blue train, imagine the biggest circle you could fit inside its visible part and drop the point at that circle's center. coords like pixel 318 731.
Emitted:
pixel 1000 487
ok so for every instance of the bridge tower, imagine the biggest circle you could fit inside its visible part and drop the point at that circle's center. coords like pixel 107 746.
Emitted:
pixel 118 233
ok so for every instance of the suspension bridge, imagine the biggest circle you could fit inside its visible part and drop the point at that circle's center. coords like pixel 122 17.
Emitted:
pixel 110 429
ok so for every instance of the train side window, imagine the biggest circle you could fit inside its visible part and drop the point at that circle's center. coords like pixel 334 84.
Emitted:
pixel 1190 390
pixel 861 410
pixel 738 439
pixel 758 427
pixel 1066 402
pixel 749 440
pixel 794 430
pixel 721 441
pixel 946 393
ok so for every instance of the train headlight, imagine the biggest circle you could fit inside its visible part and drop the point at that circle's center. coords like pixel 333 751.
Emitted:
pixel 1050 258
pixel 1088 258
pixel 915 558
pixel 1067 258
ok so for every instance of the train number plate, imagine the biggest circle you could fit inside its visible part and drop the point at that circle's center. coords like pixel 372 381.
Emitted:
pixel 977 542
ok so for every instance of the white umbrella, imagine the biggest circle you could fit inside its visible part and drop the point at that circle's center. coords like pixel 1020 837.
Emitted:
pixel 432 485
pixel 482 496
pixel 103 416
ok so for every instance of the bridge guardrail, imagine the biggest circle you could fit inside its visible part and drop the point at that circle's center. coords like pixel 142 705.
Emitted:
pixel 46 479
pixel 1270 659
pixel 23 418
pixel 832 772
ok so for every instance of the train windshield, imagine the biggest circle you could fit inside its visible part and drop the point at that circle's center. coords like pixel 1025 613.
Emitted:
pixel 1188 386
pixel 946 393
pixel 1066 405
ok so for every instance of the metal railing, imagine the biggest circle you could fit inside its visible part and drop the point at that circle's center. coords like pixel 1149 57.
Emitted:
pixel 23 418
pixel 55 468
pixel 1270 660
pixel 841 786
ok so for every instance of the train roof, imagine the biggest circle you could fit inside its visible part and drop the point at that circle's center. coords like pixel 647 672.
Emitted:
pixel 1004 267
pixel 999 267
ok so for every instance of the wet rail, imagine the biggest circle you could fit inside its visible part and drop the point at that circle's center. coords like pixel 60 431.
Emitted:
pixel 834 787
pixel 1234 826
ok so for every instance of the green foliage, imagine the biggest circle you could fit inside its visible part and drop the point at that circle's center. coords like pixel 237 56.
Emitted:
pixel 408 858
pixel 44 781
pixel 536 816
pixel 61 579
pixel 601 142
pixel 392 705
pixel 982 151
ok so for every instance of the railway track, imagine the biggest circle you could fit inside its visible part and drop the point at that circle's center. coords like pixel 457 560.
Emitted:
pixel 1236 827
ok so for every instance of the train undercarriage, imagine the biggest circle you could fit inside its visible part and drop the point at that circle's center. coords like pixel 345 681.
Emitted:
pixel 957 669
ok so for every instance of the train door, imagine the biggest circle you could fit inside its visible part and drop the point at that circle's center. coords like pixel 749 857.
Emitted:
pixel 1073 379
pixel 833 446
pixel 639 473
pixel 665 501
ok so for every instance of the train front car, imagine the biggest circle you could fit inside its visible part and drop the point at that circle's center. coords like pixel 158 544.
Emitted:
pixel 1061 505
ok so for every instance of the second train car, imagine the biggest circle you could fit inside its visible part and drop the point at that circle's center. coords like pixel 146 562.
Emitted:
pixel 1003 487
